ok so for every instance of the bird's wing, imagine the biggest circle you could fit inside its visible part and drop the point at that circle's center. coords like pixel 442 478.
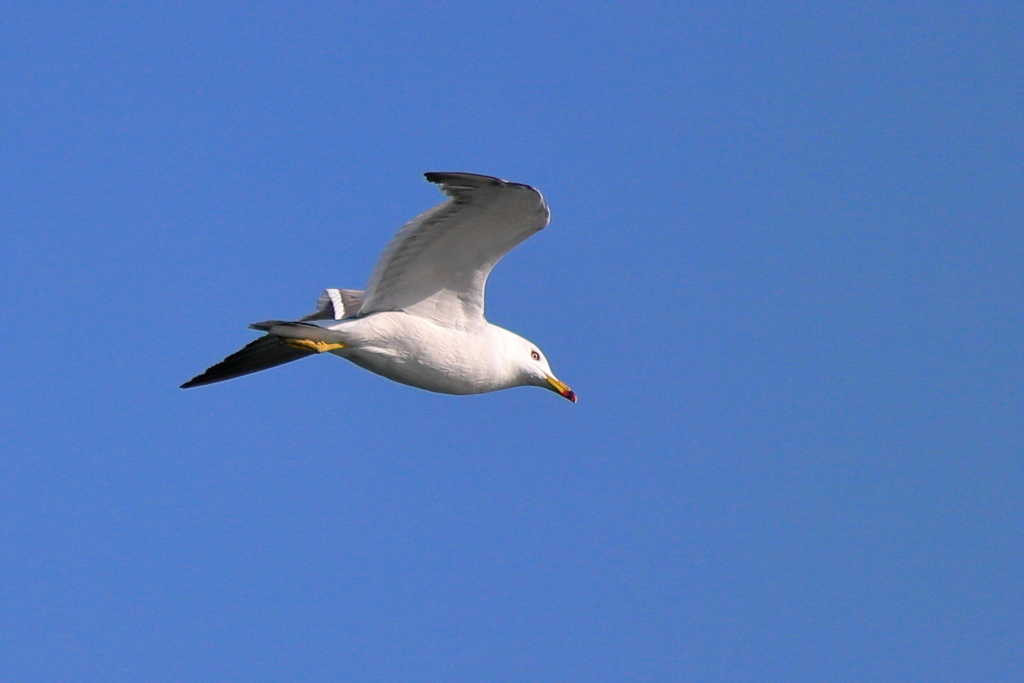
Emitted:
pixel 437 265
pixel 266 352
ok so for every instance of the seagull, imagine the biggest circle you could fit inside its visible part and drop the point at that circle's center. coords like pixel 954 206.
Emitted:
pixel 420 320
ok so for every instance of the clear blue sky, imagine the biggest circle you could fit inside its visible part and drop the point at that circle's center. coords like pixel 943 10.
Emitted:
pixel 783 274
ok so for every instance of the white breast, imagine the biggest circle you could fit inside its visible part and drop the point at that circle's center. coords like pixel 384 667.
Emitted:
pixel 415 351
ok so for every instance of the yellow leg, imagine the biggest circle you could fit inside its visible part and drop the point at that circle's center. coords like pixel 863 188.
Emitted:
pixel 310 345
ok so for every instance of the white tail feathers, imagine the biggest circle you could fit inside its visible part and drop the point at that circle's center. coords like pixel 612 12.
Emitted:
pixel 336 304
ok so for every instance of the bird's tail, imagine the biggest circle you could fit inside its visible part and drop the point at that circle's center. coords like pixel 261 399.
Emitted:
pixel 271 351
pixel 335 304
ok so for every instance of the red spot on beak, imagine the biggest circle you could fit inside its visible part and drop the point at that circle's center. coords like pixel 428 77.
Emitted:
pixel 562 388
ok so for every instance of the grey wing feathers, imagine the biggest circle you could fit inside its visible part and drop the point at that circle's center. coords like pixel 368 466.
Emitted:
pixel 437 265
pixel 266 352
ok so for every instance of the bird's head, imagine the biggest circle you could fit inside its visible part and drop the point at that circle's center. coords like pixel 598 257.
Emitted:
pixel 535 370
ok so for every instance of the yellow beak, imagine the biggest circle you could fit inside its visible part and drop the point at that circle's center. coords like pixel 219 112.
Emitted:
pixel 562 388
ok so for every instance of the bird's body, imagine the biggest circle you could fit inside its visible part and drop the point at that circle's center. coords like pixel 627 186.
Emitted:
pixel 421 319
pixel 419 352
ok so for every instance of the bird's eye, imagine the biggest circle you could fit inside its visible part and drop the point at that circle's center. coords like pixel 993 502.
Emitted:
pixel 534 355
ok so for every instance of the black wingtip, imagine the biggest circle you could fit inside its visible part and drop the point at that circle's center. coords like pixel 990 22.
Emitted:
pixel 474 179
pixel 266 352
pixel 200 380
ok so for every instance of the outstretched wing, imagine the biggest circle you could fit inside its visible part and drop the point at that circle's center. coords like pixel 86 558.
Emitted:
pixel 266 352
pixel 437 265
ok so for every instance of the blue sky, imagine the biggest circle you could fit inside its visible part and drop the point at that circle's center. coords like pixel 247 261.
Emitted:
pixel 783 274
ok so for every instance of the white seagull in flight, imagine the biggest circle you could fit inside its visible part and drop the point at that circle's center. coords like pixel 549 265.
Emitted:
pixel 421 319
